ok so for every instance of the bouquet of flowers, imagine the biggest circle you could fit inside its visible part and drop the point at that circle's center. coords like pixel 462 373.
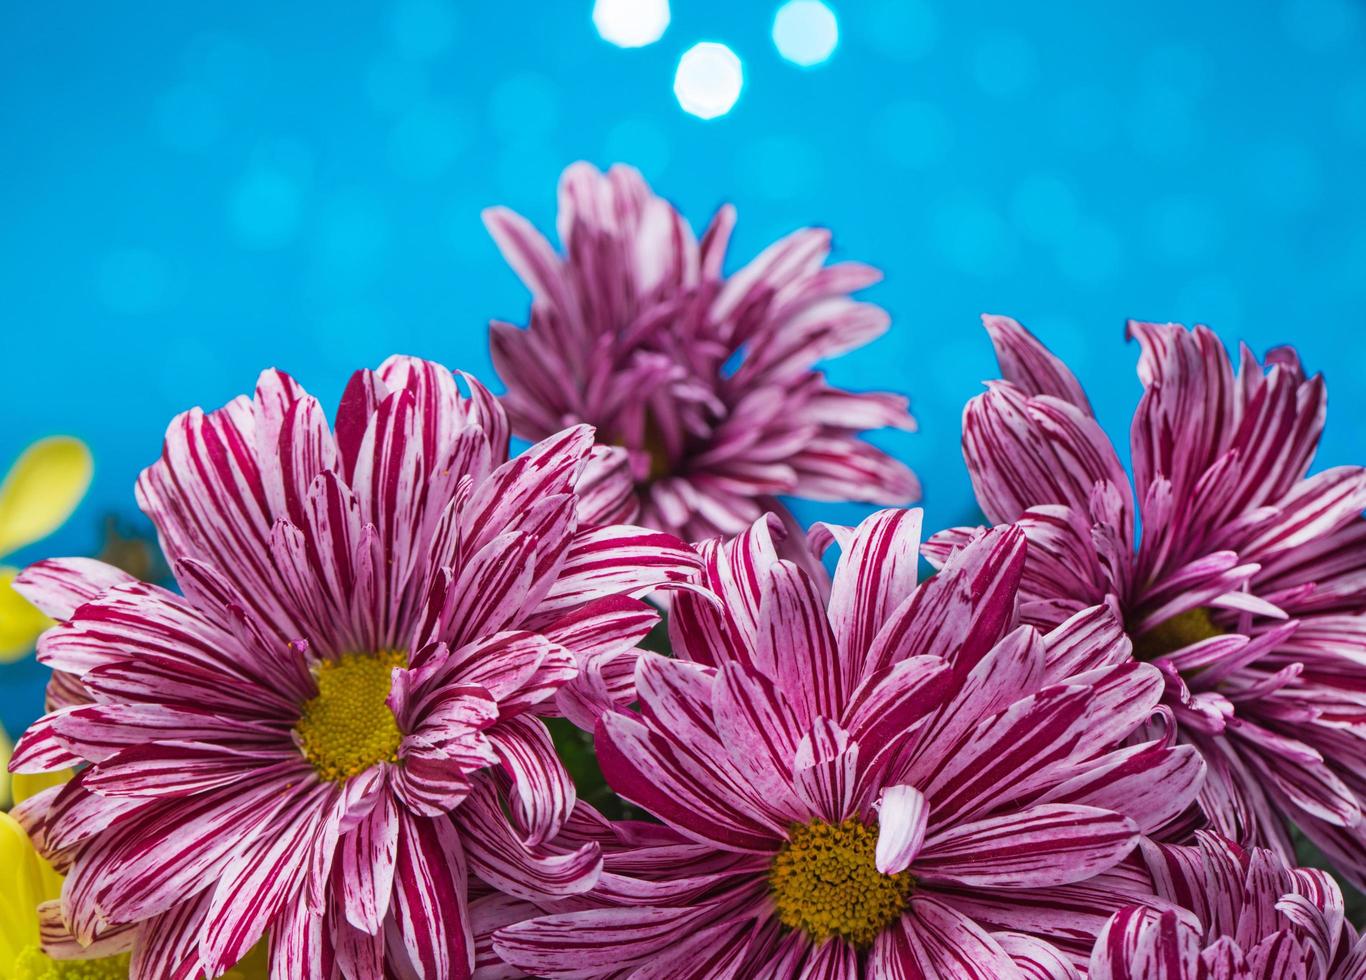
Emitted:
pixel 1086 744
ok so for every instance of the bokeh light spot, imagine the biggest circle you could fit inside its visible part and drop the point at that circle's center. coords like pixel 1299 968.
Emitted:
pixel 631 23
pixel 133 282
pixel 805 32
pixel 1005 66
pixel 422 29
pixel 709 79
pixel 913 134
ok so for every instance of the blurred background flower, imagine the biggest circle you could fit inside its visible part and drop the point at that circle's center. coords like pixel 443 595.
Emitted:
pixel 39 493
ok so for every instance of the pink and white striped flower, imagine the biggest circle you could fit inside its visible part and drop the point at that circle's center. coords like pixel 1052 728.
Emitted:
pixel 902 784
pixel 707 381
pixel 374 615
pixel 1247 586
pixel 1234 914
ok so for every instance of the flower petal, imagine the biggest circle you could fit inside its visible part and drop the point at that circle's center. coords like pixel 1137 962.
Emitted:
pixel 41 490
pixel 902 816
pixel 1144 944
pixel 1047 844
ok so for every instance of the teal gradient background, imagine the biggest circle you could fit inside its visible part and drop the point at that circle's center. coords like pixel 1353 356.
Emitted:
pixel 190 193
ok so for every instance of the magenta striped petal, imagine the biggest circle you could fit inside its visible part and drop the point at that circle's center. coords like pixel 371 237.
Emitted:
pixel 732 569
pixel 300 945
pixel 619 559
pixel 256 883
pixel 877 572
pixel 796 646
pixel 599 940
pixel 891 702
pixel 367 856
pixel 163 856
pixel 58 586
pixel 760 733
pixel 168 944
pixel 1036 959
pixel 1030 366
pixel 825 771
pixel 644 769
pixel 1153 783
pixel 1144 944
pixel 961 612
pixel 180 768
pixel 1031 736
pixel 1023 451
pixel 518 867
pixel 1047 844
pixel 542 792
pixel 428 910
pixel 933 940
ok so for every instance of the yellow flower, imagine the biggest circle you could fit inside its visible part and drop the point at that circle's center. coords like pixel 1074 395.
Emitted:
pixel 6 748
pixel 38 495
pixel 26 882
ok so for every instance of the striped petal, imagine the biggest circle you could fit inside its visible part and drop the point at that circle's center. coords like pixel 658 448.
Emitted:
pixel 1144 944
pixel 429 922
pixel 1047 844
pixel 1030 366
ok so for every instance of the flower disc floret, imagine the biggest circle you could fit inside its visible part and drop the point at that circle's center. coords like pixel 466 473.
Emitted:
pixel 348 727
pixel 33 964
pixel 826 883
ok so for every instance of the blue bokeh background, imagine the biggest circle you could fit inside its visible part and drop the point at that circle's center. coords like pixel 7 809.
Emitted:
pixel 191 193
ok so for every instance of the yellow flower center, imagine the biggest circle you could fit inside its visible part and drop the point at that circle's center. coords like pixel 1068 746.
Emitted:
pixel 348 727
pixel 825 883
pixel 34 964
pixel 1173 634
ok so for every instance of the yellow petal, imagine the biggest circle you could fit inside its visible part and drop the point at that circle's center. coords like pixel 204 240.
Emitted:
pixel 27 784
pixel 20 623
pixel 6 749
pixel 21 890
pixel 42 489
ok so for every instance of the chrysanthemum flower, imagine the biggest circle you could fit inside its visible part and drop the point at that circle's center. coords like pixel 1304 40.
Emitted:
pixel 1247 585
pixel 373 616
pixel 903 784
pixel 1235 914
pixel 706 380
